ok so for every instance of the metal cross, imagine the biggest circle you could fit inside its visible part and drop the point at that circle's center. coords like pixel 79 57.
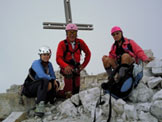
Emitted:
pixel 68 16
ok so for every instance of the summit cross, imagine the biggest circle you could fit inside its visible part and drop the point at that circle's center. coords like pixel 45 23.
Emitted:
pixel 68 17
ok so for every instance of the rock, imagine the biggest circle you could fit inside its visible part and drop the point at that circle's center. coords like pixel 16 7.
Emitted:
pixel 141 94
pixel 144 103
pixel 15 117
pixel 67 108
pixel 145 107
pixel 156 109
pixel 75 99
pixel 156 66
pixel 14 89
pixel 154 82
pixel 149 53
pixel 130 112
pixel 118 106
pixel 147 117
pixel 157 95
pixel 9 102
pixel 89 98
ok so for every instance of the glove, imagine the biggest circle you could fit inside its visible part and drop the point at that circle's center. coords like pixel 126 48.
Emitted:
pixel 68 70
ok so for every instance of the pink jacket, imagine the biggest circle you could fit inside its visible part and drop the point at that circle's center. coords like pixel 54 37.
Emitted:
pixel 137 53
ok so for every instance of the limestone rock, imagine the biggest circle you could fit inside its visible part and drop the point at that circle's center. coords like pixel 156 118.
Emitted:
pixel 9 102
pixel 156 109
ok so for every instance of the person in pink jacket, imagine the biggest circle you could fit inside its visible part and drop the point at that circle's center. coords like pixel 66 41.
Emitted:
pixel 123 51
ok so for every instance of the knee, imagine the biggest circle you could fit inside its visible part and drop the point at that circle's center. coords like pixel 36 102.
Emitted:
pixel 105 61
pixel 126 56
pixel 49 86
pixel 45 82
pixel 126 59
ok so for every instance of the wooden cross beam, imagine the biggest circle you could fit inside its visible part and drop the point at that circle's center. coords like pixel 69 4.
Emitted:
pixel 68 17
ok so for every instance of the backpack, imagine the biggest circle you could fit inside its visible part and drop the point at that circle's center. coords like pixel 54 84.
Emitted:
pixel 122 87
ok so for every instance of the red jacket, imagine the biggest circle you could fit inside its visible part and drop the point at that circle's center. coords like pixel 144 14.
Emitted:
pixel 62 48
pixel 137 53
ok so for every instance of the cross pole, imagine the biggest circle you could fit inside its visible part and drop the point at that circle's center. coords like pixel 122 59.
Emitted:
pixel 68 17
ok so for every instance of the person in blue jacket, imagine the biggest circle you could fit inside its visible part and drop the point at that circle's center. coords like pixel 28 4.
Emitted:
pixel 41 81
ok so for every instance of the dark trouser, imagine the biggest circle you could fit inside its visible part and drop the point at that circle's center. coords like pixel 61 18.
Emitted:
pixel 39 89
pixel 72 85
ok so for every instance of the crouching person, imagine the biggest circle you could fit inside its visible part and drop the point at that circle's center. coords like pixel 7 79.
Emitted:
pixel 41 81
pixel 123 64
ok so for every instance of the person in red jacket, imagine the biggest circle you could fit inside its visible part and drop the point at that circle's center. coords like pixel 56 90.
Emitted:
pixel 68 58
pixel 123 51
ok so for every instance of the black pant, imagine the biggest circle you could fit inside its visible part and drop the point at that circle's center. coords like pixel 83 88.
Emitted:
pixel 39 89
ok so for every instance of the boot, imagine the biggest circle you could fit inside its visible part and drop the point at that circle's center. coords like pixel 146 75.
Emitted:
pixel 40 108
pixel 122 71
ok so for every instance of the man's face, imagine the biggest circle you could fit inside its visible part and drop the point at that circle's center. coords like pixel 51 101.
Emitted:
pixel 72 34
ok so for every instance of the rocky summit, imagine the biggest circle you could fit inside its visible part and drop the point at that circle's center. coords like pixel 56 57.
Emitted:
pixel 144 104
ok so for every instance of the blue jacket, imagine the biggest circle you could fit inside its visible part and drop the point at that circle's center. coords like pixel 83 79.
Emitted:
pixel 38 69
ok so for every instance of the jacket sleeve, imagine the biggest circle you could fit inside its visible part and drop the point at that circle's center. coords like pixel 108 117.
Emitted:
pixel 87 52
pixel 59 55
pixel 112 53
pixel 37 67
pixel 51 71
pixel 138 51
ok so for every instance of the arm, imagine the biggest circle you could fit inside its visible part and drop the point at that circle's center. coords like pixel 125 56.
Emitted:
pixel 51 71
pixel 59 55
pixel 37 67
pixel 112 53
pixel 87 52
pixel 138 51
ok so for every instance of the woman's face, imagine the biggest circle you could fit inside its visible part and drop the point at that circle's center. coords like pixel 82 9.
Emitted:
pixel 117 35
pixel 72 35
pixel 45 57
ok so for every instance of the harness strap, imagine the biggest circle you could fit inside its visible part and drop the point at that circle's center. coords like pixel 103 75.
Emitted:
pixel 99 102
pixel 110 108
pixel 67 49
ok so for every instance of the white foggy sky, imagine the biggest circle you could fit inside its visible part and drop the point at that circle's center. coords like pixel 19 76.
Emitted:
pixel 22 33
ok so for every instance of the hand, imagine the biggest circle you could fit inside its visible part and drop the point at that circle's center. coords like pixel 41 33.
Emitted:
pixel 80 68
pixel 68 70
pixel 56 85
pixel 149 59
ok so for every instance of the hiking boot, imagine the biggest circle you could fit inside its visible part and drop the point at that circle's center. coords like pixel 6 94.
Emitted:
pixel 68 94
pixel 40 108
pixel 122 71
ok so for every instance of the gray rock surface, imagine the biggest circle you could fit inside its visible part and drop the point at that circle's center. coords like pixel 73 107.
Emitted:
pixel 144 104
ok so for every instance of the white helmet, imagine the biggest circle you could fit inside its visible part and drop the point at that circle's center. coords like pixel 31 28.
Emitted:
pixel 44 50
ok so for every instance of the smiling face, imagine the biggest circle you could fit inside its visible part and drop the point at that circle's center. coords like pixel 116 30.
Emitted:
pixel 45 57
pixel 117 35
pixel 71 35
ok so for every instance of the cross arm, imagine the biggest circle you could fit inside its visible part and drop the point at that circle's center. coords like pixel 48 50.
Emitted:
pixel 56 25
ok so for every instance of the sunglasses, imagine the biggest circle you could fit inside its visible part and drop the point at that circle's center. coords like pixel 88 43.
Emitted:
pixel 115 33
pixel 72 32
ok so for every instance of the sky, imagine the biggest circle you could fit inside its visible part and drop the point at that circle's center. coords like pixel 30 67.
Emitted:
pixel 22 33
